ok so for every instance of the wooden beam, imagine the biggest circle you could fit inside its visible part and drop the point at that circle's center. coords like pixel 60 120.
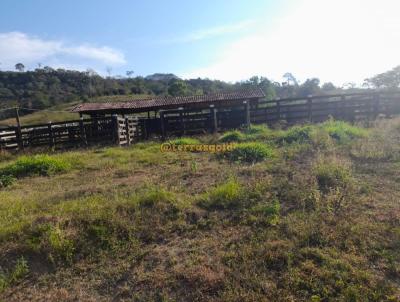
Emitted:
pixel 247 113
pixel 19 132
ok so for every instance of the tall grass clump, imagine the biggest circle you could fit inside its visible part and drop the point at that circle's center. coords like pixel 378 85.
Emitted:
pixel 332 174
pixel 257 132
pixel 296 134
pixel 159 201
pixel 229 195
pixel 250 152
pixel 232 136
pixel 343 132
pixel 19 271
pixel 43 165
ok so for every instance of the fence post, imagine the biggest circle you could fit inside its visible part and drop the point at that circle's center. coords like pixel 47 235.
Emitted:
pixel 18 132
pixel 116 130
pixel 213 113
pixel 143 124
pixel 309 107
pixel 181 120
pixel 82 131
pixel 278 110
pixel 376 104
pixel 51 136
pixel 162 121
pixel 127 129
pixel 247 113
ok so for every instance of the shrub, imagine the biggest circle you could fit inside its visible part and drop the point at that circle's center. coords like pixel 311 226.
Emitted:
pixel 250 152
pixel 43 165
pixel 226 196
pixel 331 175
pixel 232 136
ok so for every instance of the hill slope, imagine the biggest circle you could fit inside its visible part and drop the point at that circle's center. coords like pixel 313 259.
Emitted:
pixel 310 213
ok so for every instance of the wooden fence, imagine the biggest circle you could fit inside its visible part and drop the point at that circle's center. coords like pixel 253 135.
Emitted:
pixel 126 130
pixel 102 130
pixel 349 107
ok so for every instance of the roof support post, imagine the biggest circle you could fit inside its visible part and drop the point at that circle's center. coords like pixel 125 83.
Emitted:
pixel 116 130
pixel 127 129
pixel 82 132
pixel 162 122
pixel 247 113
pixel 309 108
pixel 213 119
pixel 181 120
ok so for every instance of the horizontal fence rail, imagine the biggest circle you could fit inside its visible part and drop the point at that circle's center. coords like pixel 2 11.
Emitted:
pixel 349 107
pixel 127 130
pixel 101 130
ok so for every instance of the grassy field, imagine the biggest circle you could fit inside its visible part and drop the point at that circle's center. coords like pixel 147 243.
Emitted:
pixel 310 213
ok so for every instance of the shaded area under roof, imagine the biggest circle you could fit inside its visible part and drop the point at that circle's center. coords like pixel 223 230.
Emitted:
pixel 167 102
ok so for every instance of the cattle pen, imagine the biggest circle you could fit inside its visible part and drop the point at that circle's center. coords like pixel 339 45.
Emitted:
pixel 123 123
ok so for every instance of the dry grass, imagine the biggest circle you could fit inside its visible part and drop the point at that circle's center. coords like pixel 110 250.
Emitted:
pixel 318 222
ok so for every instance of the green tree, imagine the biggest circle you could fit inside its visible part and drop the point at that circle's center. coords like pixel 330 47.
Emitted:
pixel 328 87
pixel 388 79
pixel 20 67
pixel 178 88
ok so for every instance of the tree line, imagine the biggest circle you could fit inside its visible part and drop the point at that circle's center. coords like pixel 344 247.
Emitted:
pixel 46 87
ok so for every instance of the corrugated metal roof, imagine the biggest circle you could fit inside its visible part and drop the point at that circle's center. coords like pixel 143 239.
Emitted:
pixel 160 102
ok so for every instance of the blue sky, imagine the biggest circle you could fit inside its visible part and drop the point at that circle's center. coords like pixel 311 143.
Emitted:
pixel 337 40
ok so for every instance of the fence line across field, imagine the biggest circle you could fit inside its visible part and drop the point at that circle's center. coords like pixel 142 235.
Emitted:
pixel 125 130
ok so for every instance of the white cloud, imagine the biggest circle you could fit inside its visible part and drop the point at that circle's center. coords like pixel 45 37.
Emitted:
pixel 335 40
pixel 19 47
pixel 214 32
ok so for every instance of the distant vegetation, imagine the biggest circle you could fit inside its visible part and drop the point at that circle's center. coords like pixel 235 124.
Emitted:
pixel 47 87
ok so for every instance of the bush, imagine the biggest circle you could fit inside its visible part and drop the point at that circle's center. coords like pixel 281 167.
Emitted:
pixel 226 196
pixel 43 165
pixel 331 175
pixel 232 136
pixel 250 152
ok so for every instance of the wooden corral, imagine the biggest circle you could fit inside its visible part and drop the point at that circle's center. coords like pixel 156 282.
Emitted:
pixel 215 114
pixel 83 132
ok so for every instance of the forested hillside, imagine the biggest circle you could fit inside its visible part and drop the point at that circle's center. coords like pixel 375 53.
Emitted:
pixel 47 87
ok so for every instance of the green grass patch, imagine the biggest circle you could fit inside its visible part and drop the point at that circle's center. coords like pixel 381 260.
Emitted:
pixel 43 165
pixel 250 152
pixel 229 195
pixel 19 271
pixel 296 134
pixel 343 132
pixel 332 174
pixel 185 141
pixel 232 136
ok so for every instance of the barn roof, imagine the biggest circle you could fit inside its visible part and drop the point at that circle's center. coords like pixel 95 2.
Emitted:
pixel 167 102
